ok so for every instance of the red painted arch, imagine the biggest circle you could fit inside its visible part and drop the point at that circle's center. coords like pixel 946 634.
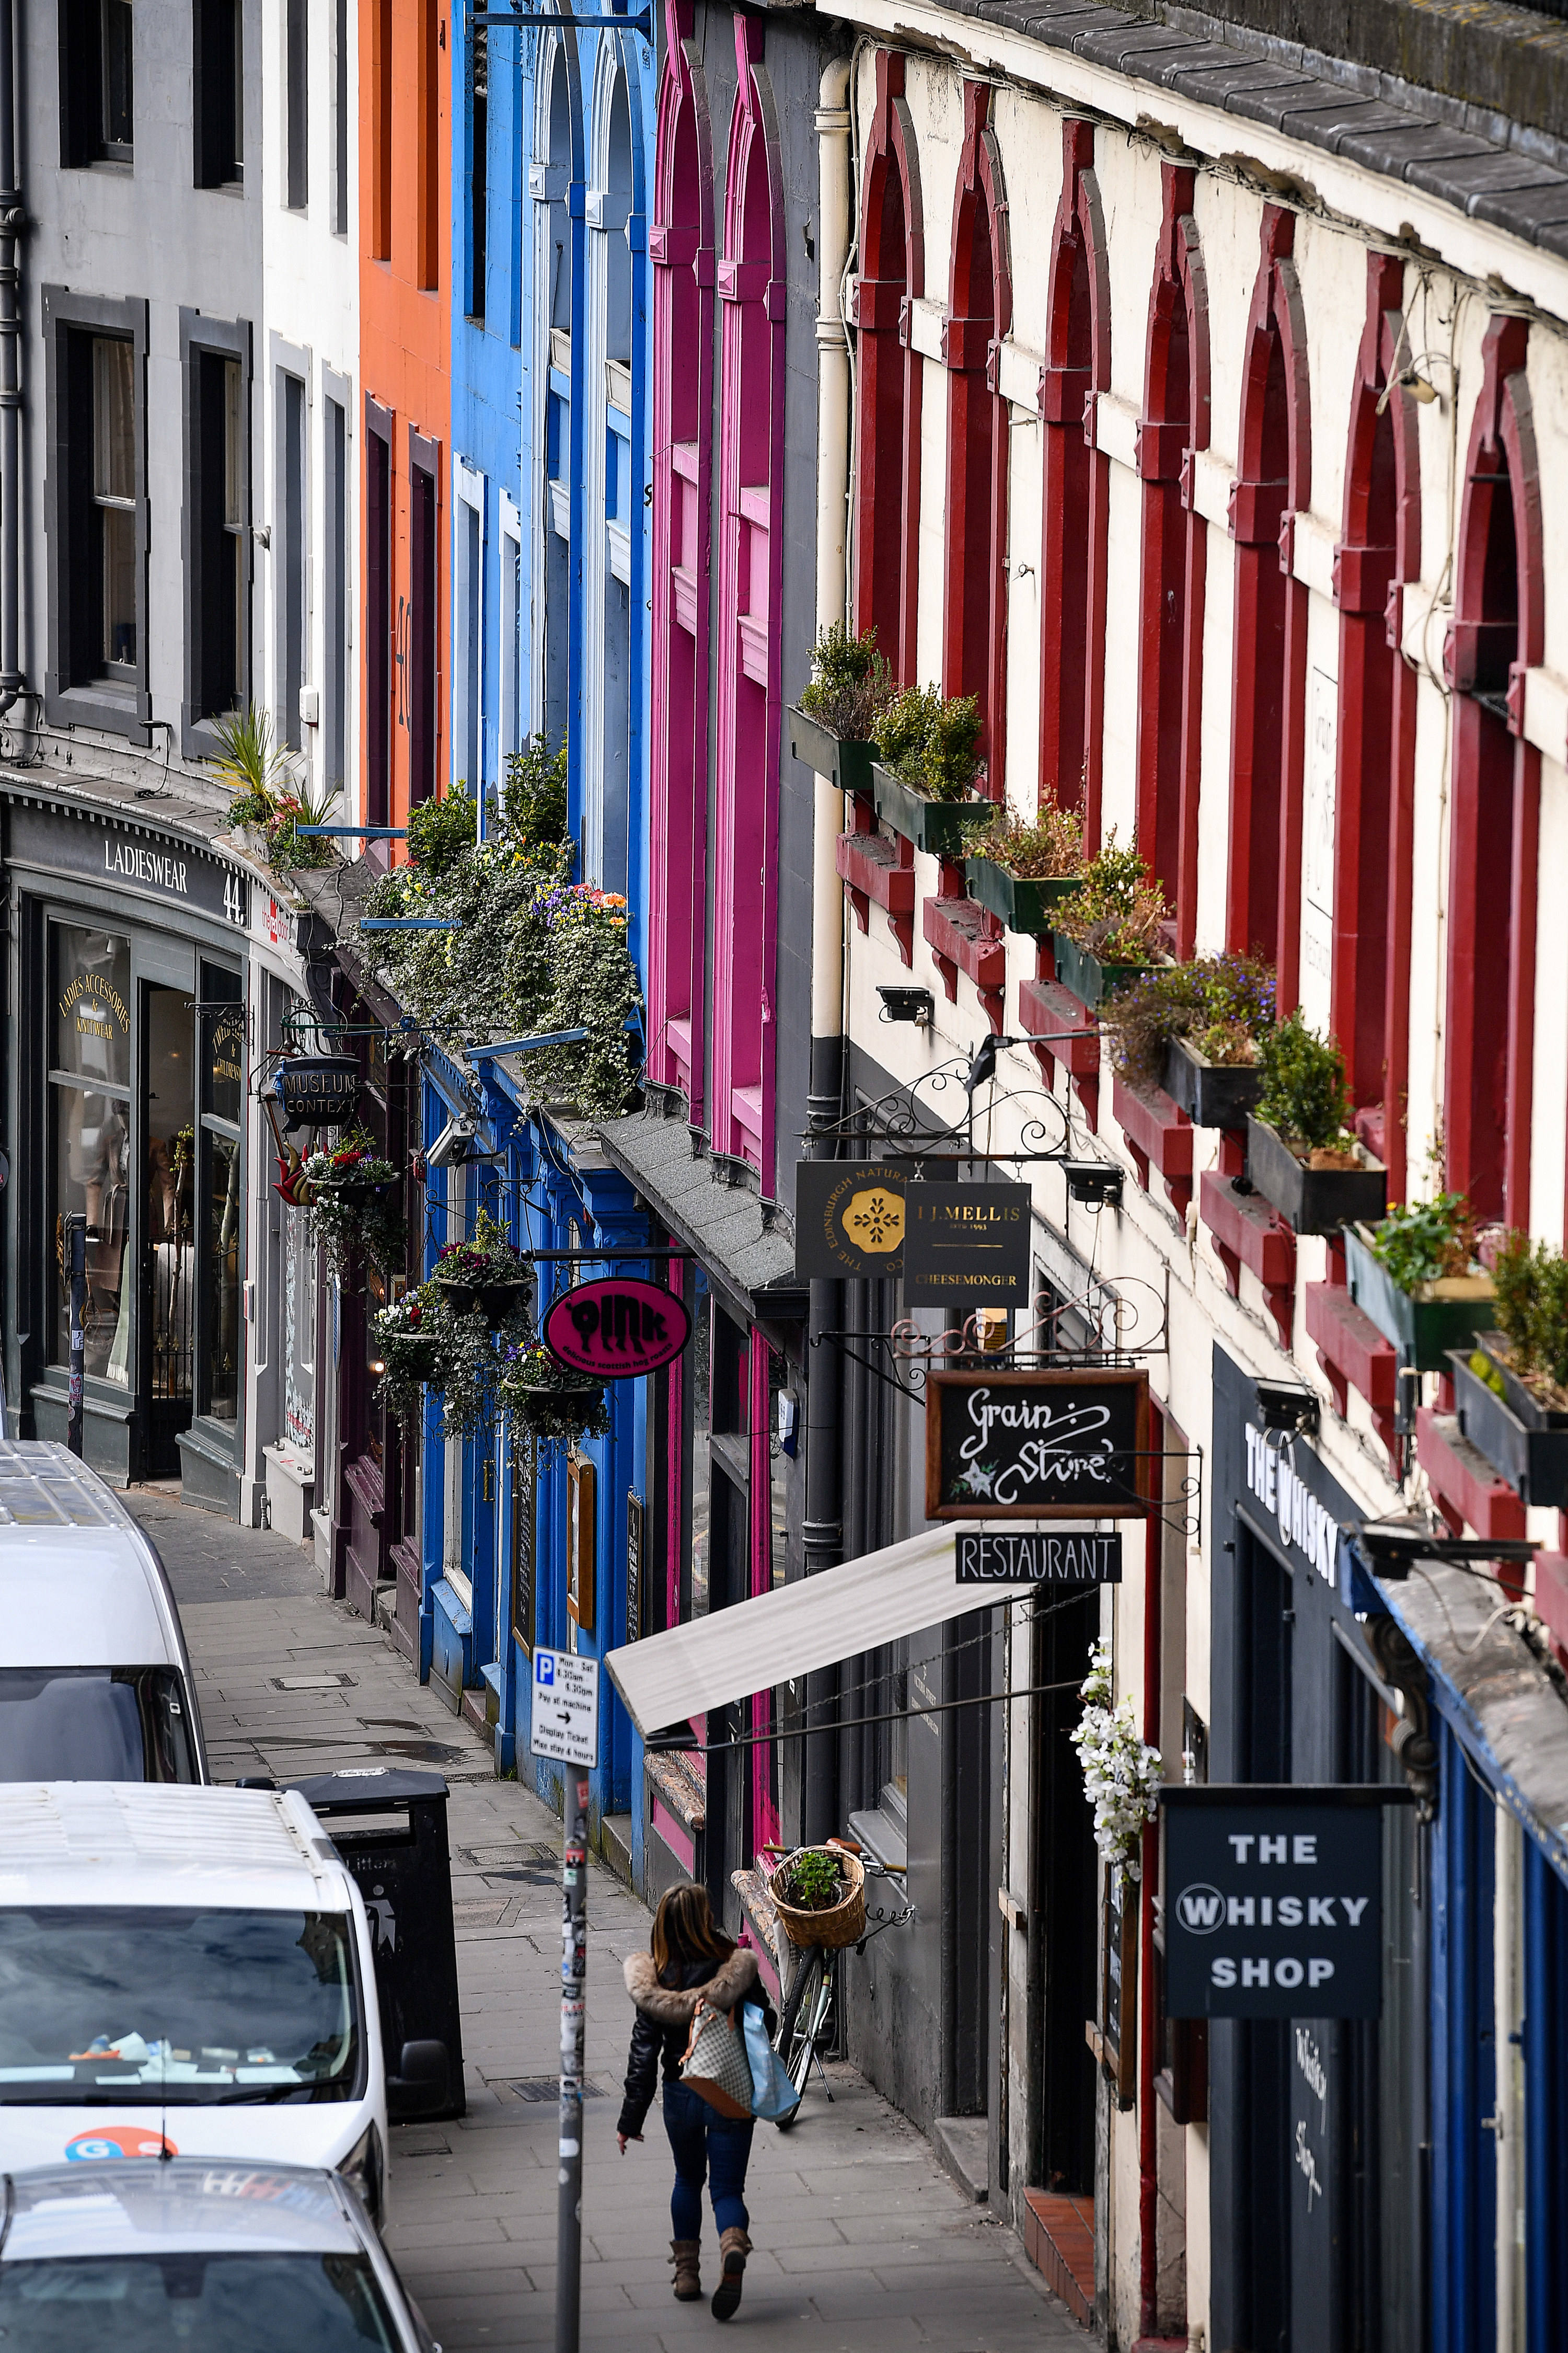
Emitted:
pixel 980 312
pixel 888 423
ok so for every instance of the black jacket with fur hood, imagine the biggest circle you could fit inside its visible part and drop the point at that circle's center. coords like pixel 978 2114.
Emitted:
pixel 665 2003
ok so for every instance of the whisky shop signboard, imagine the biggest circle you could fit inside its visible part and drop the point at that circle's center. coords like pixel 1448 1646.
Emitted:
pixel 1060 1444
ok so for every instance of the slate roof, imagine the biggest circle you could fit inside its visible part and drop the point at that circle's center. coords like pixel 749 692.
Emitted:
pixel 747 1250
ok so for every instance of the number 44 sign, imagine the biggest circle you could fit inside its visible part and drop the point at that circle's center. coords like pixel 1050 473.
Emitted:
pixel 565 1721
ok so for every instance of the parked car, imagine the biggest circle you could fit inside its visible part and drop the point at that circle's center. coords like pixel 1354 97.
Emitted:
pixel 95 1682
pixel 251 2259
pixel 190 1969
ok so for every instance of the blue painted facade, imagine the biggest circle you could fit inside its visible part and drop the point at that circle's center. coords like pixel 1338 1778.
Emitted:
pixel 549 410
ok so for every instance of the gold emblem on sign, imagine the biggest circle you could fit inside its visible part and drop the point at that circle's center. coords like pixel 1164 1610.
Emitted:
pixel 875 1220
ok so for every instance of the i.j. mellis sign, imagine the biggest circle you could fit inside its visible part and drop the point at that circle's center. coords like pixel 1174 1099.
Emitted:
pixel 1047 1445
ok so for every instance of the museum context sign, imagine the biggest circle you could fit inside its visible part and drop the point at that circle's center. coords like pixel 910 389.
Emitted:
pixel 1274 1900
pixel 318 1090
pixel 1004 1556
pixel 617 1327
pixel 966 1242
pixel 848 1220
pixel 1060 1444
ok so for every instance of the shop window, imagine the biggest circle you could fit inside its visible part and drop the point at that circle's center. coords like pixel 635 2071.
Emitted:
pixel 217 521
pixel 699 1358
pixel 892 275
pixel 219 93
pixel 89 1091
pixel 479 195
pixel 169 1298
pixel 341 118
pixel 524 1536
pixel 378 614
pixel 297 104
pixel 95 363
pixel 97 81
pixel 221 1348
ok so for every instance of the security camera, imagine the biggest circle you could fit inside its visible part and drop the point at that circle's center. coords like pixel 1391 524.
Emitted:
pixel 455 1145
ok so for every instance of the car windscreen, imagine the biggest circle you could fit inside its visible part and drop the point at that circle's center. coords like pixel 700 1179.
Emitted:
pixel 106 2006
pixel 243 2303
pixel 94 1723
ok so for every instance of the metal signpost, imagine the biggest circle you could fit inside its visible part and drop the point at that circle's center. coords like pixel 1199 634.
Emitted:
pixel 565 1726
pixel 75 1239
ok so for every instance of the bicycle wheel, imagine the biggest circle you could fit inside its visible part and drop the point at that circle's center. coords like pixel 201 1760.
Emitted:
pixel 804 2021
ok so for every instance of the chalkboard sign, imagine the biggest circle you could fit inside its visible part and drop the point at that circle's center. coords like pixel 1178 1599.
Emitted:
pixel 1047 1445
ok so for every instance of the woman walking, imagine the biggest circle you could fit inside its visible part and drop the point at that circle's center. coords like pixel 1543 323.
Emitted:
pixel 692 1959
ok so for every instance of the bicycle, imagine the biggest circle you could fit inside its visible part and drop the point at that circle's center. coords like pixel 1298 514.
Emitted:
pixel 806 2015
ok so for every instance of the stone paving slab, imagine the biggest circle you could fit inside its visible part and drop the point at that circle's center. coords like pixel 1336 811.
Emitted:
pixel 863 2243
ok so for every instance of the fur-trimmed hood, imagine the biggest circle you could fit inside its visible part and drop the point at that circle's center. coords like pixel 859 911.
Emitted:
pixel 731 1982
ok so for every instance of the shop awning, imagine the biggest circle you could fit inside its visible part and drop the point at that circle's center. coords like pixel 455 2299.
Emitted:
pixel 748 1252
pixel 797 1628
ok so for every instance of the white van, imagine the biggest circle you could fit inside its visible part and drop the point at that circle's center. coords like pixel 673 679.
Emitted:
pixel 189 1968
pixel 95 1682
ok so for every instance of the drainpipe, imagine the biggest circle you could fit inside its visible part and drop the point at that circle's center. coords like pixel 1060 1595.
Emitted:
pixel 11 679
pixel 822 1534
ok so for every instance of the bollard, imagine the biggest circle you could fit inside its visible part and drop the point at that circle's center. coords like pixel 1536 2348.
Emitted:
pixel 573 1978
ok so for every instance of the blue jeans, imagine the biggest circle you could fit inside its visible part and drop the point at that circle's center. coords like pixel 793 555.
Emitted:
pixel 704 2142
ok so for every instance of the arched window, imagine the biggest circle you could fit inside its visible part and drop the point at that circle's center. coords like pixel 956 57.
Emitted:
pixel 1375 786
pixel 980 311
pixel 558 445
pixel 1076 489
pixel 1174 423
pixel 680 247
pixel 1496 634
pixel 751 280
pixel 1274 478
pixel 888 455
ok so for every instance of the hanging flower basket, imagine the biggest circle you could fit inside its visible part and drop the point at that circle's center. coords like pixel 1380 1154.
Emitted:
pixel 406 1344
pixel 550 1400
pixel 350 1198
pixel 485 1275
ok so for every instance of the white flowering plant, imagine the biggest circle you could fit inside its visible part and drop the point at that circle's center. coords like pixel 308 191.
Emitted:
pixel 1122 1774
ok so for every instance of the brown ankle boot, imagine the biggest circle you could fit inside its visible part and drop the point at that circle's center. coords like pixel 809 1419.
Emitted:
pixel 685 2254
pixel 733 2248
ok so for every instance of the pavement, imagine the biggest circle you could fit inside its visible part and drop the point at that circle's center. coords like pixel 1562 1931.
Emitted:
pixel 861 2239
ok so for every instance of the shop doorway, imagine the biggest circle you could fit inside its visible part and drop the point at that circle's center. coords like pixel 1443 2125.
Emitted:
pixel 169 1244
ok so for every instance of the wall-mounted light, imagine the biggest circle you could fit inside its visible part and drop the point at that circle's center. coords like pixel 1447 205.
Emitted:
pixel 916 1005
pixel 1290 1406
pixel 1097 1183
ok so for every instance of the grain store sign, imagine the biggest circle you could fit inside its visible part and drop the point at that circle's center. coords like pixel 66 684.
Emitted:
pixel 1274 1900
pixel 1044 1445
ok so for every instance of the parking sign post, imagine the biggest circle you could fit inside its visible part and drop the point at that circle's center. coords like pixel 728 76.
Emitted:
pixel 565 1726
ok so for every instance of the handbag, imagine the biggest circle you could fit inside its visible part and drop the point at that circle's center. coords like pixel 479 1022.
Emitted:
pixel 772 2093
pixel 714 2064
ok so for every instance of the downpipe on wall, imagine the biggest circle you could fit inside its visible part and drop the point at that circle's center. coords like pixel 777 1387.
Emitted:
pixel 11 681
pixel 823 1531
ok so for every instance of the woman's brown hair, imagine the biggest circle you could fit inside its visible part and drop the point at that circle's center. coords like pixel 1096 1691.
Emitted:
pixel 684 1928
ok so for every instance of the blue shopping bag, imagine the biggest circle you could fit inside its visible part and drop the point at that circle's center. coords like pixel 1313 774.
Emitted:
pixel 772 2093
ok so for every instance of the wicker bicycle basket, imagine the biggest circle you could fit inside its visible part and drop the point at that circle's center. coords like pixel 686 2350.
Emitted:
pixel 843 1923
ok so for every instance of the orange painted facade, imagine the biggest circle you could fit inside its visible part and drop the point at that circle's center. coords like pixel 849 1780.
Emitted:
pixel 405 372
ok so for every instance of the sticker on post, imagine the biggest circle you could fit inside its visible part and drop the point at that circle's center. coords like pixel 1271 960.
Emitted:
pixel 565 1721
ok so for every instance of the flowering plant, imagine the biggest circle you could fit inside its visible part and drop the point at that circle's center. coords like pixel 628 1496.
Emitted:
pixel 405 1342
pixel 1121 1773
pixel 349 1196
pixel 551 1399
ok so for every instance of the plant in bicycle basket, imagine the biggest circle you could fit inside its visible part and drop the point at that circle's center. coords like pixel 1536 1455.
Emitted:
pixel 1122 1774
pixel 811 1880
pixel 350 1199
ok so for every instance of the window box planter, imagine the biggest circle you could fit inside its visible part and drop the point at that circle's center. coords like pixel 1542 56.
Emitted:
pixel 1083 975
pixel 940 827
pixel 1212 1094
pixel 1523 1441
pixel 1024 903
pixel 1423 1323
pixel 1314 1200
pixel 846 761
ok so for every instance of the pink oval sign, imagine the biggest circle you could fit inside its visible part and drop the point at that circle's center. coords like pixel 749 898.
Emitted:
pixel 616 1328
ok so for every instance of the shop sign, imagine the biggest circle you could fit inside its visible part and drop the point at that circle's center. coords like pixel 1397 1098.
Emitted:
pixel 319 1090
pixel 634 1565
pixel 1274 1900
pixel 1038 1556
pixel 1044 1445
pixel 617 1328
pixel 1307 1527
pixel 154 868
pixel 848 1220
pixel 969 1241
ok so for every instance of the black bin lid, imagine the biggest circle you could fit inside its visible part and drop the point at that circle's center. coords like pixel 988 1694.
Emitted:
pixel 368 1789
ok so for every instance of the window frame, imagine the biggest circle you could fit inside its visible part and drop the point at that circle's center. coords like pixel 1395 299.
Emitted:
pixel 296 97
pixel 71 698
pixel 217 162
pixel 200 337
pixel 337 705
pixel 293 551
pixel 83 34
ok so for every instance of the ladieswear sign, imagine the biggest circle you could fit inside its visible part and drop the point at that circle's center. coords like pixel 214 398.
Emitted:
pixel 1274 1901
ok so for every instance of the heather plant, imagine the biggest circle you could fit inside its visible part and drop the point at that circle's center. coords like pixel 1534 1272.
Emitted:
pixel 850 684
pixel 930 743
pixel 1221 1006
pixel 1045 852
pixel 1117 911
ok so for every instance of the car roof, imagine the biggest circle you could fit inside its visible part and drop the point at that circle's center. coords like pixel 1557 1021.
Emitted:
pixel 151 1842
pixel 190 2205
pixel 64 1533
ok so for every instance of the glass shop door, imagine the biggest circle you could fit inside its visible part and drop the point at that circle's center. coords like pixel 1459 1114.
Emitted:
pixel 169 1247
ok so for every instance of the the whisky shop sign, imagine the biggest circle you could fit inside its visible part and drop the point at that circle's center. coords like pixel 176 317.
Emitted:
pixel 1056 1444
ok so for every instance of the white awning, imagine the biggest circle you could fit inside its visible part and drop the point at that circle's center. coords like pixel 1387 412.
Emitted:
pixel 776 1637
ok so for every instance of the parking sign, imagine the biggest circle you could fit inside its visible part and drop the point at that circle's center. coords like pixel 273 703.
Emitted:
pixel 565 1707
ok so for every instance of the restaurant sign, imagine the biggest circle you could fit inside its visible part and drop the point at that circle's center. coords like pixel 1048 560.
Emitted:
pixel 1274 1900
pixel 1004 1555
pixel 1060 1444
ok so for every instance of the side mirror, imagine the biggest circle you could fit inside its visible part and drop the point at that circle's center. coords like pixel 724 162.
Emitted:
pixel 423 2082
